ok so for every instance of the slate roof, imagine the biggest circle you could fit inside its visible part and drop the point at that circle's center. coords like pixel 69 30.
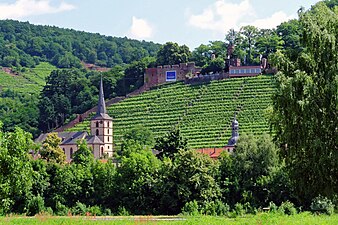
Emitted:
pixel 93 140
pixel 71 138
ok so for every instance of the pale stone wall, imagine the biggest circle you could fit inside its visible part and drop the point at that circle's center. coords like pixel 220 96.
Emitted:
pixel 67 150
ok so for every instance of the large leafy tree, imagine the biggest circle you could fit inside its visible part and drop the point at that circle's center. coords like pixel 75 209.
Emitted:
pixel 83 155
pixel 305 106
pixel 187 177
pixel 249 34
pixel 51 150
pixel 15 169
pixel 245 176
pixel 171 53
pixel 171 143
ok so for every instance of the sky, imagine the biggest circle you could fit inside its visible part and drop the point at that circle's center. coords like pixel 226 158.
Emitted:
pixel 189 22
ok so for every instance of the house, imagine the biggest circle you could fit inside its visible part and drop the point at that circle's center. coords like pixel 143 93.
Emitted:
pixel 100 139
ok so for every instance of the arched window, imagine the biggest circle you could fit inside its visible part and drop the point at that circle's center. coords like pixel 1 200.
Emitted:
pixel 97 123
pixel 97 132
pixel 71 152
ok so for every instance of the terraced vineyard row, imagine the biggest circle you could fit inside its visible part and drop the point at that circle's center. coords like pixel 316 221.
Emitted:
pixel 30 81
pixel 203 112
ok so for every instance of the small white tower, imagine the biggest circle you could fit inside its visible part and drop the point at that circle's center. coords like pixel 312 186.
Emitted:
pixel 101 125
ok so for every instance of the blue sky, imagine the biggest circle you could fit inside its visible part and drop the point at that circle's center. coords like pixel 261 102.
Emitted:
pixel 190 22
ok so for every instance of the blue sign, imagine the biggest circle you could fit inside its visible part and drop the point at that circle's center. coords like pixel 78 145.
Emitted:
pixel 170 76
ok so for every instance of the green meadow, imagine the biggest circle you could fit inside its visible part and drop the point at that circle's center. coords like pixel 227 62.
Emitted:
pixel 259 219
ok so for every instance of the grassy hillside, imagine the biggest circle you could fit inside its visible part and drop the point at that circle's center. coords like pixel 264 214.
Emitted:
pixel 30 81
pixel 203 112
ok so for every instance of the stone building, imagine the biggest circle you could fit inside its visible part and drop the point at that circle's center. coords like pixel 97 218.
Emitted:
pixel 100 139
pixel 170 73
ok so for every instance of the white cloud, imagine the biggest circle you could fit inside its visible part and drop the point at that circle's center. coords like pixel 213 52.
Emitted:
pixel 24 8
pixel 272 21
pixel 222 16
pixel 140 28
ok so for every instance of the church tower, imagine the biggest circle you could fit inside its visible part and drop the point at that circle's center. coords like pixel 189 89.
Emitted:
pixel 235 134
pixel 101 125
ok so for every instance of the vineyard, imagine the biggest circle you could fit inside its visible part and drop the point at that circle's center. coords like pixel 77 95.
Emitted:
pixel 203 112
pixel 29 80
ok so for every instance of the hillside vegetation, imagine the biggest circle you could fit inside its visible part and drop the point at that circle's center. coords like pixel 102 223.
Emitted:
pixel 28 80
pixel 25 44
pixel 203 112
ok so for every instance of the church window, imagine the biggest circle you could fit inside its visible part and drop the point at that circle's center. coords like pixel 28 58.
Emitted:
pixel 97 123
pixel 97 132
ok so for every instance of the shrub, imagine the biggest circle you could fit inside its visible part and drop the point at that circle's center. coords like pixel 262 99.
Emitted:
pixel 287 208
pixel 273 207
pixel 190 208
pixel 239 209
pixel 215 208
pixel 79 209
pixel 322 204
pixel 61 210
pixel 122 211
pixel 35 205
pixel 95 211
pixel 107 212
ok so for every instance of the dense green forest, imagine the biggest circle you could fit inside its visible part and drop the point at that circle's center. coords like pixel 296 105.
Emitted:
pixel 25 44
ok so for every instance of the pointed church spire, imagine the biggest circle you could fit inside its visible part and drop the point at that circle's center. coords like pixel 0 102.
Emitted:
pixel 101 106
pixel 101 112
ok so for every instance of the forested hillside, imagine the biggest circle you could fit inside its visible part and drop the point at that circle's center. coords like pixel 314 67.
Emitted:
pixel 25 44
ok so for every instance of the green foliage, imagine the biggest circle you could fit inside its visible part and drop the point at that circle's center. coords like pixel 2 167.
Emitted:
pixel 191 208
pixel 215 208
pixel 141 135
pixel 171 143
pixel 51 150
pixel 35 205
pixel 171 53
pixel 61 210
pixel 15 169
pixel 66 92
pixel 83 155
pixel 305 106
pixel 322 204
pixel 24 44
pixel 248 174
pixel 190 176
pixel 79 209
pixel 287 208
pixel 137 177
